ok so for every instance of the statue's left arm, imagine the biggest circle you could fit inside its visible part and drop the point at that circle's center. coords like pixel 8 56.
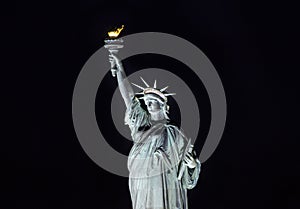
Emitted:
pixel 191 174
pixel 189 162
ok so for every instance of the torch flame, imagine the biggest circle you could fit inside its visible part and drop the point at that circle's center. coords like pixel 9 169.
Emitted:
pixel 115 33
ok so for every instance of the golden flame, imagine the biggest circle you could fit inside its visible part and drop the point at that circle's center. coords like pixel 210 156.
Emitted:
pixel 115 33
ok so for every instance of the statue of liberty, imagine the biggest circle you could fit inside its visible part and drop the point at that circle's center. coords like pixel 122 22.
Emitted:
pixel 161 163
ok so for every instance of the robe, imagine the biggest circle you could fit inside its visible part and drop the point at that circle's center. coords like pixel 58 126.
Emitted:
pixel 154 162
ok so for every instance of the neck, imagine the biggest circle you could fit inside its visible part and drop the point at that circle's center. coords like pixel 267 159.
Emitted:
pixel 157 116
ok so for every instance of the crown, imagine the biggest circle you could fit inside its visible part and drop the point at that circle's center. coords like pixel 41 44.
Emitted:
pixel 153 90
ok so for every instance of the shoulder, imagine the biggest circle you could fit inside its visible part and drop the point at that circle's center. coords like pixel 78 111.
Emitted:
pixel 177 135
pixel 174 130
pixel 172 127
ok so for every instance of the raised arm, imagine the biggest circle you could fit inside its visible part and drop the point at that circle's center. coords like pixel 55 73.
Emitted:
pixel 124 85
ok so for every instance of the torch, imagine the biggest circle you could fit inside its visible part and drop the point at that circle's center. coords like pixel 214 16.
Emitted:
pixel 113 44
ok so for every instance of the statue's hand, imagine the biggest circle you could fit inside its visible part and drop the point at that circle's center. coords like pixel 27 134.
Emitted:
pixel 116 61
pixel 189 160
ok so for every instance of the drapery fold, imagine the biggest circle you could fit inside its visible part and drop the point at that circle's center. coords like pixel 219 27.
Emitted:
pixel 154 162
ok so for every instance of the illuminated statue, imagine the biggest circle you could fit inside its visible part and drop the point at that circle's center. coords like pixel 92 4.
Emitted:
pixel 161 163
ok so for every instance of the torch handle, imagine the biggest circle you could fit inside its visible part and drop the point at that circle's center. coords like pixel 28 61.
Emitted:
pixel 113 71
pixel 113 66
pixel 113 46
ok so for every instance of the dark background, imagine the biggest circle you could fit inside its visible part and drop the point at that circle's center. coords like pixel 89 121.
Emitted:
pixel 253 46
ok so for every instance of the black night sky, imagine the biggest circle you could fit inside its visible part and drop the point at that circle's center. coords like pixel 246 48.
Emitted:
pixel 253 46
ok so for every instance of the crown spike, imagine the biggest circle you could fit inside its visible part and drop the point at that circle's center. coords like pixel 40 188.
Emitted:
pixel 138 86
pixel 163 89
pixel 144 82
pixel 170 94
pixel 154 86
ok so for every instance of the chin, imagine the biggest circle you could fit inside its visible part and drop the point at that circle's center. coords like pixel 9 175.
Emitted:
pixel 153 111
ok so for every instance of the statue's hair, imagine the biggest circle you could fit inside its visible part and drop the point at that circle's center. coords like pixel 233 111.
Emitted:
pixel 165 109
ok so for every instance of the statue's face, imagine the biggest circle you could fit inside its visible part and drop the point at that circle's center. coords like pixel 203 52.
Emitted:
pixel 153 105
